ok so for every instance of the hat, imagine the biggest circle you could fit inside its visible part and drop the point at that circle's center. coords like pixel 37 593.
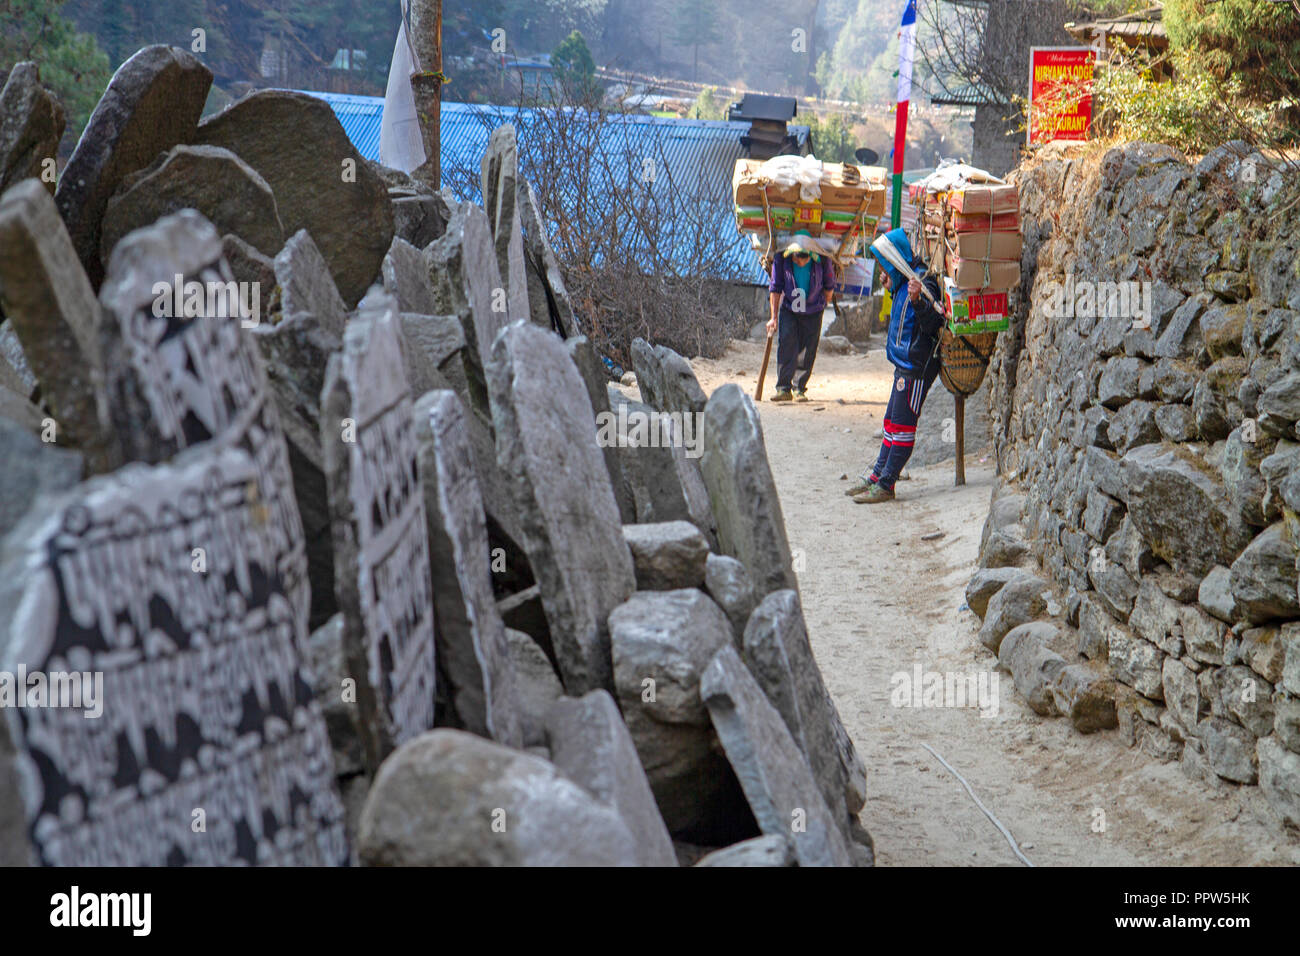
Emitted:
pixel 798 244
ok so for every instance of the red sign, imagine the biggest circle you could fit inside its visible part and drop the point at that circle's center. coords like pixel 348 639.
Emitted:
pixel 1060 93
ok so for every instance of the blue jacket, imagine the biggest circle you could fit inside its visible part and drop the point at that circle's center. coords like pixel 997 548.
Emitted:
pixel 821 278
pixel 913 326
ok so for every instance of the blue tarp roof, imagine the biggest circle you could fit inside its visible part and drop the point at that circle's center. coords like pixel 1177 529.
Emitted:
pixel 700 155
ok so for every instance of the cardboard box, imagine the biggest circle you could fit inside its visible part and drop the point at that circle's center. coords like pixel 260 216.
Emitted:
pixel 985 245
pixel 843 188
pixel 747 187
pixel 974 311
pixel 985 199
pixel 974 222
pixel 982 273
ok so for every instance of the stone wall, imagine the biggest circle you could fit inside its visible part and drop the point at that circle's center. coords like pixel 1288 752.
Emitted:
pixel 1151 473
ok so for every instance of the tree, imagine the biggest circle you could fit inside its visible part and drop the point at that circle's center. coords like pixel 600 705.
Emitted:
pixel 1256 40
pixel 697 26
pixel 72 65
pixel 575 70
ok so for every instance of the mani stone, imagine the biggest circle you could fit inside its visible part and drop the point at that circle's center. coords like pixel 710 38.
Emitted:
pixel 178 377
pixel 406 278
pixel 751 527
pixel 53 311
pixel 306 285
pixel 210 180
pixel 321 183
pixel 153 102
pixel 662 641
pixel 666 380
pixel 31 125
pixel 667 556
pixel 449 798
pixel 499 180
pixel 248 265
pixel 729 584
pixel 591 746
pixel 205 698
pixel 536 685
pixel 471 638
pixel 466 283
pixel 596 381
pixel 382 578
pixel 30 467
pixel 778 654
pixel 782 792
pixel 548 300
pixel 562 495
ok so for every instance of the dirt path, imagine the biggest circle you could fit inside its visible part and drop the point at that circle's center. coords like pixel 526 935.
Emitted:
pixel 879 599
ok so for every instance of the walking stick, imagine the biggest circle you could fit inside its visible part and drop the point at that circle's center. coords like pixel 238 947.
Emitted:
pixel 767 266
pixel 960 401
pixel 762 372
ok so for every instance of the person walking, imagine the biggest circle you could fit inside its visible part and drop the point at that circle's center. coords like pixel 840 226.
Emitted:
pixel 802 286
pixel 913 349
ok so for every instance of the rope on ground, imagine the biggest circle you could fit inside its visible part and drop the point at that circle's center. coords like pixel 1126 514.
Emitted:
pixel 996 822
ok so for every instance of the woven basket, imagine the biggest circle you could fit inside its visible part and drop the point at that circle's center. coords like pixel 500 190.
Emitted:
pixel 961 367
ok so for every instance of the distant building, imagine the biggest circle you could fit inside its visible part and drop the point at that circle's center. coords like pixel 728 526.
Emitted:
pixel 768 118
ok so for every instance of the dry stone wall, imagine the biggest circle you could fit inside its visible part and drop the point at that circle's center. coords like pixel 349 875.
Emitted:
pixel 1145 406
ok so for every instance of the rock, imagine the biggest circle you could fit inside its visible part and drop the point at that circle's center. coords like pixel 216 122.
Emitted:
pixel 1102 516
pixel 778 655
pixel 1222 327
pixel 536 685
pixel 406 278
pixel 153 102
pixel 751 527
pixel 30 467
pixel 662 641
pixel 597 383
pixel 321 183
pixel 1183 331
pixel 548 300
pixel 1115 589
pixel 1290 637
pixel 679 389
pixel 472 650
pixel 1086 696
pixel 1134 424
pixel 1202 635
pixel 1181 508
pixel 1239 467
pixel 210 180
pixel 248 265
pixel 1215 593
pixel 449 798
pixel 382 576
pixel 1018 602
pixel 1033 665
pixel 1263 578
pixel 1174 381
pixel 329 670
pixel 31 125
pixel 1136 662
pixel 1247 698
pixel 306 285
pixel 1230 750
pixel 1275 469
pixel 667 556
pixel 435 354
pixel 985 583
pixel 1005 548
pixel 500 185
pixel 1094 629
pixel 52 309
pixel 782 792
pixel 1157 619
pixel 1176 423
pixel 1286 723
pixel 1182 696
pixel 561 492
pixel 1263 650
pixel 1127 549
pixel 463 273
pixel 590 744
pixel 729 584
pixel 836 345
pixel 774 850
pixel 1279 779
pixel 1119 381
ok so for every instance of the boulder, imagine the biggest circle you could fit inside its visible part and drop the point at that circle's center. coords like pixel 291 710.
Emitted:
pixel 1279 779
pixel 591 746
pixel 1033 665
pixel 774 850
pixel 211 180
pixel 406 278
pixel 751 527
pixel 1086 696
pixel 1263 578
pixel 153 102
pixel 730 586
pixel 985 583
pixel 561 491
pixel 537 686
pixel 1181 693
pixel 1018 602
pixel 1230 750
pixel 1135 662
pixel 449 798
pixel 667 556
pixel 782 792
pixel 31 125
pixel 435 354
pixel 662 641
pixel 321 183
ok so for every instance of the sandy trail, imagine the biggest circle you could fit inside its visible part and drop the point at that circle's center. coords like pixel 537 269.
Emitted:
pixel 878 599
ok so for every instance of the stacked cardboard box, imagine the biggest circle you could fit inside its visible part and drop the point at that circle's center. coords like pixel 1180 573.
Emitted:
pixel 971 236
pixel 848 194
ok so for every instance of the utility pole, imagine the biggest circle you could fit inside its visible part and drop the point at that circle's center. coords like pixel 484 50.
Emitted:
pixel 425 31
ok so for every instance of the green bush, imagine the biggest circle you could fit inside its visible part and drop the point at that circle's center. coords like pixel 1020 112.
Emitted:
pixel 1256 41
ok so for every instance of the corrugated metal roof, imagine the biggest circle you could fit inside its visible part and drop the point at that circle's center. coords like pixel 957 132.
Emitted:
pixel 700 156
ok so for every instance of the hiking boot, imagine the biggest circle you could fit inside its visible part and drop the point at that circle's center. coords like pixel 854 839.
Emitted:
pixel 782 397
pixel 863 484
pixel 801 396
pixel 874 495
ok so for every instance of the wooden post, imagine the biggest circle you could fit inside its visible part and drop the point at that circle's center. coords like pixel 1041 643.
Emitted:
pixel 426 85
pixel 960 402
